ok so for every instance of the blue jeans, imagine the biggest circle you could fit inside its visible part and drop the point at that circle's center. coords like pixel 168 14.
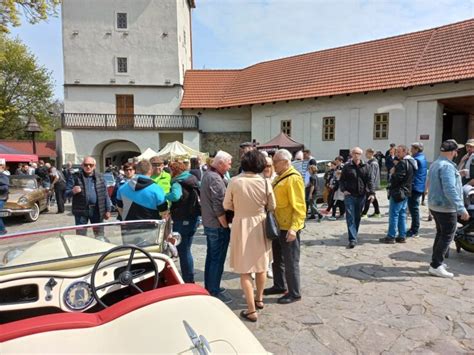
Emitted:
pixel 217 244
pixel 186 229
pixel 2 225
pixel 414 208
pixel 397 218
pixel 354 206
pixel 93 216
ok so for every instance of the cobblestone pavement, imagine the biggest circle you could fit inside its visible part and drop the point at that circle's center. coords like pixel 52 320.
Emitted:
pixel 373 299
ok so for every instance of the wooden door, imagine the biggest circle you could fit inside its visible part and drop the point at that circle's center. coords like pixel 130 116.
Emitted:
pixel 125 111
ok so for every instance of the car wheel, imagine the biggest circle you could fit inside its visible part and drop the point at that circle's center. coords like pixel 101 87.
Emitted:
pixel 34 214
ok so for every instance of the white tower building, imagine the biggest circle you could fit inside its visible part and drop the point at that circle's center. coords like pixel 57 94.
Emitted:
pixel 124 65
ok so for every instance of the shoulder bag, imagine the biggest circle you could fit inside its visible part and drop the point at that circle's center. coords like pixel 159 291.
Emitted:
pixel 272 229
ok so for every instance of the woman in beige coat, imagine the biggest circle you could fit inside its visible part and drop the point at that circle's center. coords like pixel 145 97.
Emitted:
pixel 247 195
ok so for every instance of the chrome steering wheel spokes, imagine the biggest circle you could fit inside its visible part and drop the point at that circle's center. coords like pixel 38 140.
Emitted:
pixel 125 278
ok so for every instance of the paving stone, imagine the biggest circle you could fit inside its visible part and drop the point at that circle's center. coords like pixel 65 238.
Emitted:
pixel 376 338
pixel 311 319
pixel 442 345
pixel 416 309
pixel 423 334
pixel 305 342
pixel 330 338
pixel 463 331
pixel 396 309
pixel 402 345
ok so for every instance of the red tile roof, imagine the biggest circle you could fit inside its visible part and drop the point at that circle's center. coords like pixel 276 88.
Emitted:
pixel 44 149
pixel 431 56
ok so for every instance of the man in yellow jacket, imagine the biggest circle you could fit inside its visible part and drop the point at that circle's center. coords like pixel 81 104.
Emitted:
pixel 290 213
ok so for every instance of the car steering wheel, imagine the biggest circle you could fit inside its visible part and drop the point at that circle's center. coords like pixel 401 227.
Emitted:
pixel 126 277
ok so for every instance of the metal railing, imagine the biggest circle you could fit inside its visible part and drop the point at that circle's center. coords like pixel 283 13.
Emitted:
pixel 110 121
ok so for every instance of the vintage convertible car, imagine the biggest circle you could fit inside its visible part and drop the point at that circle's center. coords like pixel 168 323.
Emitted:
pixel 107 288
pixel 26 197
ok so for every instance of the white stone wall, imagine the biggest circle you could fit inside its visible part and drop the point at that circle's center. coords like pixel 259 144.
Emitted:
pixel 156 101
pixel 184 37
pixel 412 113
pixel 91 41
pixel 99 143
pixel 223 120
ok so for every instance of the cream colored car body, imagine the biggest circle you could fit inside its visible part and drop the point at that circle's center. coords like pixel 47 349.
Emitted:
pixel 159 327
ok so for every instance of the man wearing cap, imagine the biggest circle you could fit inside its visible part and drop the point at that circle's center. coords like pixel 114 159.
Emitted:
pixel 417 188
pixel 4 182
pixel 159 175
pixel 445 200
pixel 466 163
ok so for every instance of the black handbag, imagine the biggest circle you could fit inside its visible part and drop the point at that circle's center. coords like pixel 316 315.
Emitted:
pixel 272 229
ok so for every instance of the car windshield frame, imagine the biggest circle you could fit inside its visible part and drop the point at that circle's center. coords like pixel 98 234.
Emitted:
pixel 322 163
pixel 17 178
pixel 151 233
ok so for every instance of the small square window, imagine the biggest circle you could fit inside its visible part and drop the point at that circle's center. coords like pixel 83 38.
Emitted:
pixel 122 22
pixel 286 127
pixel 122 65
pixel 329 128
pixel 381 123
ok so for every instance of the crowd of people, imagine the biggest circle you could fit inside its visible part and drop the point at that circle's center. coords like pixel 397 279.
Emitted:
pixel 233 210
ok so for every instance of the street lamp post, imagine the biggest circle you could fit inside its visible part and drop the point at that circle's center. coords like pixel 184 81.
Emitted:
pixel 33 127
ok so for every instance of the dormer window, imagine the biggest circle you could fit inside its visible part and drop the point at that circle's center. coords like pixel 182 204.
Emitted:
pixel 122 22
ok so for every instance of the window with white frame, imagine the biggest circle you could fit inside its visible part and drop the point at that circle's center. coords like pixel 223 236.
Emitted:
pixel 122 21
pixel 286 127
pixel 122 65
pixel 381 121
pixel 329 128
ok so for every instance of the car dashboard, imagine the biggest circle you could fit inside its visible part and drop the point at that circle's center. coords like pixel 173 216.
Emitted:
pixel 43 292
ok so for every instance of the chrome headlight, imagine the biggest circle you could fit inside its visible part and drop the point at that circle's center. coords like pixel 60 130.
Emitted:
pixel 23 200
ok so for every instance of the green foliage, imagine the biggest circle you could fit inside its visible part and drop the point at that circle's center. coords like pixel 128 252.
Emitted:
pixel 33 10
pixel 25 89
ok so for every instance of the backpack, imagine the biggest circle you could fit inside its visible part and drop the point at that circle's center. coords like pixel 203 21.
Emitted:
pixel 192 197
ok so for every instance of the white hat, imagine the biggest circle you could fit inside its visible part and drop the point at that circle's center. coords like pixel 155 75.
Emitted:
pixel 2 161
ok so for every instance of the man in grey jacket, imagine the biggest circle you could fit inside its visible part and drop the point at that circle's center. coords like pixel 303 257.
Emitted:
pixel 374 172
pixel 216 225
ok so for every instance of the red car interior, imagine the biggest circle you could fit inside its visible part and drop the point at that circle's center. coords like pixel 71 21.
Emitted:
pixel 64 321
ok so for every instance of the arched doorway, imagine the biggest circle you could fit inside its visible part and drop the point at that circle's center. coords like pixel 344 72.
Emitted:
pixel 114 152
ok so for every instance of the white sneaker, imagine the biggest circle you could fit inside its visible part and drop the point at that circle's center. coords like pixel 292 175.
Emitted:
pixel 331 218
pixel 440 271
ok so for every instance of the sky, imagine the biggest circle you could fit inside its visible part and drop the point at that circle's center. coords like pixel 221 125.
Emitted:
pixel 233 34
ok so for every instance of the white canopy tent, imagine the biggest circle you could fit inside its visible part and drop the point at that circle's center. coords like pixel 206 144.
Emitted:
pixel 147 154
pixel 179 150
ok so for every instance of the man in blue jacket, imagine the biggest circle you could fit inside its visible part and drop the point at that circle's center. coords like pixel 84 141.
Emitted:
pixel 445 199
pixel 418 188
pixel 140 198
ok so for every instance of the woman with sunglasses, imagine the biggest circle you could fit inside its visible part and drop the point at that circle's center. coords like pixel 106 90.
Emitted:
pixel 128 173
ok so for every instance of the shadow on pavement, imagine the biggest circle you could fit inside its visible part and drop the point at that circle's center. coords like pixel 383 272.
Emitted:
pixel 341 240
pixel 379 273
